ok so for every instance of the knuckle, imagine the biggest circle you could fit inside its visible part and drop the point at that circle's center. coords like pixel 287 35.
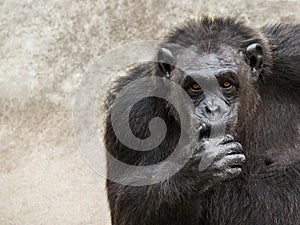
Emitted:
pixel 239 158
pixel 229 136
pixel 234 171
pixel 243 157
pixel 236 146
pixel 239 145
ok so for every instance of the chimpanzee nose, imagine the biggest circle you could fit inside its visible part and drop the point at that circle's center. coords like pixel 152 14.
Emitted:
pixel 212 107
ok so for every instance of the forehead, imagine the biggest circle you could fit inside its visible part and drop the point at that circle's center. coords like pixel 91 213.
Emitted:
pixel 193 62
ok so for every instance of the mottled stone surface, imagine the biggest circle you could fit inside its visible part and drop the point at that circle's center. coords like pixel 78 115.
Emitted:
pixel 45 48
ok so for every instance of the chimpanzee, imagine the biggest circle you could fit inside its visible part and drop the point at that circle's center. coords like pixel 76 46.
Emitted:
pixel 253 177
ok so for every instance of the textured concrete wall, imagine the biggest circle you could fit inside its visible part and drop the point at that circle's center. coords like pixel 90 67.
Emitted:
pixel 45 48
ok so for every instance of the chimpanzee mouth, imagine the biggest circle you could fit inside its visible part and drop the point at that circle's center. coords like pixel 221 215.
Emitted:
pixel 204 130
pixel 208 127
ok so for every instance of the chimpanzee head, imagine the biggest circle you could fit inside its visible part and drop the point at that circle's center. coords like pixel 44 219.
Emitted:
pixel 217 62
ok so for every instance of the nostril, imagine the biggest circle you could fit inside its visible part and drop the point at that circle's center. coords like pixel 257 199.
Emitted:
pixel 269 161
pixel 213 108
pixel 207 109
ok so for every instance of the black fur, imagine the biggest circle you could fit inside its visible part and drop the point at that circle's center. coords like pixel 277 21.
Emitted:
pixel 267 192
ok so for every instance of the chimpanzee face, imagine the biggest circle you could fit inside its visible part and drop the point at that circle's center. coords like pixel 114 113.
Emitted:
pixel 215 81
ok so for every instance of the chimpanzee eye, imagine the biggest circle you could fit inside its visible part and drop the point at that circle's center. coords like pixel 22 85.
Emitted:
pixel 195 87
pixel 227 84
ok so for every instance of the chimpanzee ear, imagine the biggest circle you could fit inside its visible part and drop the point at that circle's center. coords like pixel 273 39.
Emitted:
pixel 255 58
pixel 166 60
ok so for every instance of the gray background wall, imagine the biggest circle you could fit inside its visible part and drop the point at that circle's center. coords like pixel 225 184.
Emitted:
pixel 45 49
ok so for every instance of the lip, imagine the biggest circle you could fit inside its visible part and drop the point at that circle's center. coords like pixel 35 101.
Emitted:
pixel 204 130
pixel 206 124
pixel 205 120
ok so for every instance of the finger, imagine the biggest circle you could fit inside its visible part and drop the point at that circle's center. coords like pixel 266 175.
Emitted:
pixel 236 160
pixel 228 174
pixel 227 138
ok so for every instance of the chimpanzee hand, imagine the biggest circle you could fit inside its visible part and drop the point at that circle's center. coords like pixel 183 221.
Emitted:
pixel 217 160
